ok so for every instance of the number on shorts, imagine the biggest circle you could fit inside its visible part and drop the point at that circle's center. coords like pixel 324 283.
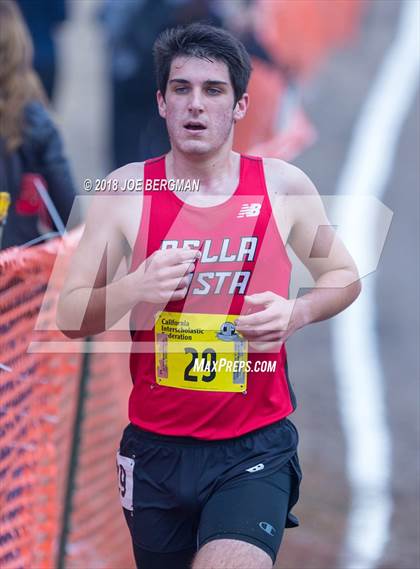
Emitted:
pixel 125 467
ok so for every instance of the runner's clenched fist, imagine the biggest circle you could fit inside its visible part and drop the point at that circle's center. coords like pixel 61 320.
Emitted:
pixel 166 274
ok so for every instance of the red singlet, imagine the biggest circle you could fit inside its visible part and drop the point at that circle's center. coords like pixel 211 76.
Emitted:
pixel 242 253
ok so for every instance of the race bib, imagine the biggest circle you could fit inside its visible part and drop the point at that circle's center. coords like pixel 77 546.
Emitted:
pixel 200 352
pixel 125 467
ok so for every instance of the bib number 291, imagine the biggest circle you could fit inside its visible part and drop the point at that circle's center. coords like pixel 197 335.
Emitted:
pixel 208 362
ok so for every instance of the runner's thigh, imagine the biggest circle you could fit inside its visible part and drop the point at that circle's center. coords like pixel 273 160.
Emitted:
pixel 159 509
pixel 253 510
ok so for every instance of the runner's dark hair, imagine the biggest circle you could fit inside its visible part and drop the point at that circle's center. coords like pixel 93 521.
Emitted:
pixel 206 42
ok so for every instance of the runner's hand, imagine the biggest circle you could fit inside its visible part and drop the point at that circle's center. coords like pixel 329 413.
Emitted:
pixel 268 328
pixel 166 275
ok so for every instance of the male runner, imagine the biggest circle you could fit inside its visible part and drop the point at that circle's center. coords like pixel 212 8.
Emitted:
pixel 208 466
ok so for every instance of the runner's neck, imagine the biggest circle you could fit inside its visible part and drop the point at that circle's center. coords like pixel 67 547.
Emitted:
pixel 219 178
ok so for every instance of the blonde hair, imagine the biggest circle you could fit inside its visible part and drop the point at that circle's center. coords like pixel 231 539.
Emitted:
pixel 19 83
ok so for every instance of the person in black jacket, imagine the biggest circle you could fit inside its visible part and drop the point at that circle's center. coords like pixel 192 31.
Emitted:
pixel 29 141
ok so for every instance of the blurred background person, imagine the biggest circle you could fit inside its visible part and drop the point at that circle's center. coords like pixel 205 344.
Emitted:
pixel 288 41
pixel 31 151
pixel 43 18
pixel 276 124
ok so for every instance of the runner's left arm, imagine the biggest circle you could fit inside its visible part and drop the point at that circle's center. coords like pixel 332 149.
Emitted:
pixel 315 242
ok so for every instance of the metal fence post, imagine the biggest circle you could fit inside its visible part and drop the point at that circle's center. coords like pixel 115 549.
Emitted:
pixel 74 456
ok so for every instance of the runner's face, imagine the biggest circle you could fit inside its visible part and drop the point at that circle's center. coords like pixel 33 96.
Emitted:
pixel 199 105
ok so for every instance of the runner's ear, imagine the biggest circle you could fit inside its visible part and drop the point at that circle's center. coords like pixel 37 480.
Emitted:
pixel 241 107
pixel 161 104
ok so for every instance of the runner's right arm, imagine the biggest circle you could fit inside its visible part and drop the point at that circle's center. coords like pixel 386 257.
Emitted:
pixel 90 301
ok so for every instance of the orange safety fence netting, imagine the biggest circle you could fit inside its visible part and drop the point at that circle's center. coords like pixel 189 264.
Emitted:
pixel 38 398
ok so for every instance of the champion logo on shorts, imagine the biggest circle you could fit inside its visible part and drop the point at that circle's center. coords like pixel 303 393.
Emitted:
pixel 255 468
pixel 268 528
pixel 249 210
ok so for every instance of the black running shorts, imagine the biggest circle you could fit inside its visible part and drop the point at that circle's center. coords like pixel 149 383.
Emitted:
pixel 179 493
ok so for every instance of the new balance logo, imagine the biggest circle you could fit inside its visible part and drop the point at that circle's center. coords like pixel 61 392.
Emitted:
pixel 249 210
pixel 256 468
